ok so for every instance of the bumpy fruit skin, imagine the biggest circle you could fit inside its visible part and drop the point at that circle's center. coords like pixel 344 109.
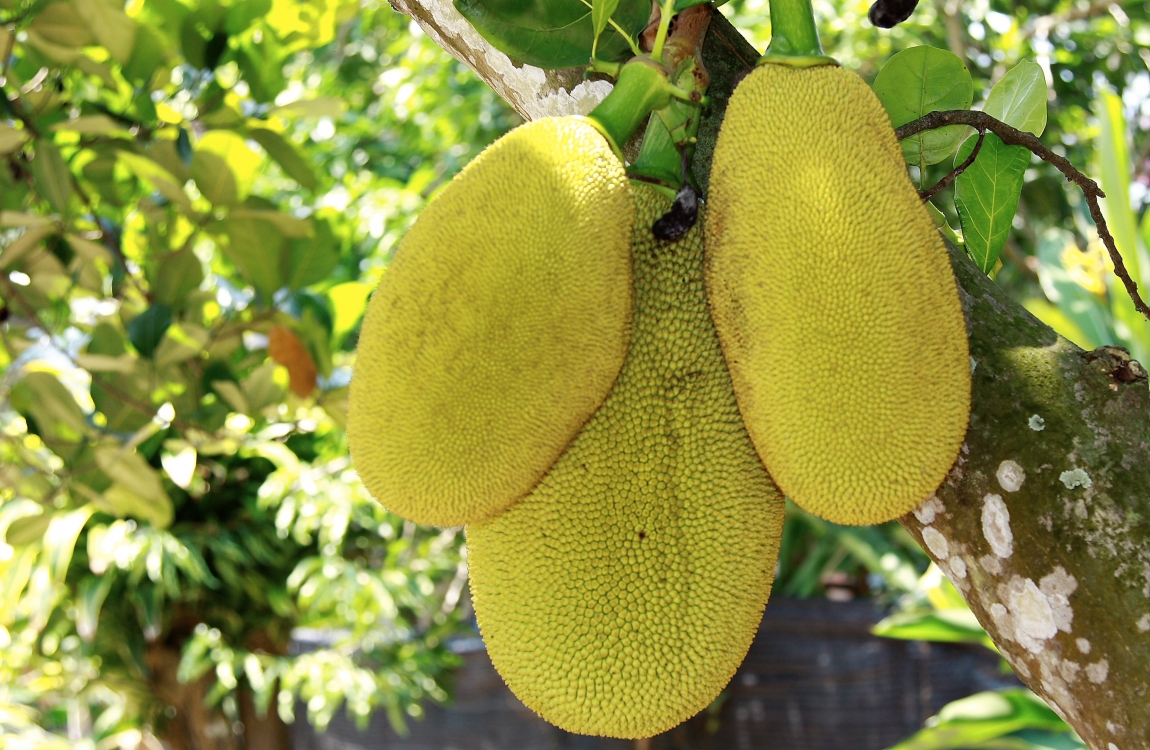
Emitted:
pixel 833 298
pixel 498 329
pixel 620 596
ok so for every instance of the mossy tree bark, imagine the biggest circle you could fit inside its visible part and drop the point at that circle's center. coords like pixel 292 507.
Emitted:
pixel 1044 522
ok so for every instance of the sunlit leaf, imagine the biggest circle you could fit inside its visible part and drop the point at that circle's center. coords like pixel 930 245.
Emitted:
pixel 235 182
pixel 1019 99
pixel 60 539
pixel 90 596
pixel 112 27
pixel 59 23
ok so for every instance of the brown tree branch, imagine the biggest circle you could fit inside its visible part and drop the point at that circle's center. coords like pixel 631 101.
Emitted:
pixel 1015 137
pixel 954 173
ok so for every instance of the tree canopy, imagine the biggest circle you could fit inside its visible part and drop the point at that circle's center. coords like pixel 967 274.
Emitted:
pixel 197 199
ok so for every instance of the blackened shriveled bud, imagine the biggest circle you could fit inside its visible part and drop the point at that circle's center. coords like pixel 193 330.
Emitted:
pixel 887 13
pixel 679 220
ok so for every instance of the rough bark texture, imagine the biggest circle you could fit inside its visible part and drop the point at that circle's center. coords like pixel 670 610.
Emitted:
pixel 1044 523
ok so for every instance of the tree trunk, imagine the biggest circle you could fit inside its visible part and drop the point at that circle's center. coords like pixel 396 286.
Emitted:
pixel 192 725
pixel 1044 522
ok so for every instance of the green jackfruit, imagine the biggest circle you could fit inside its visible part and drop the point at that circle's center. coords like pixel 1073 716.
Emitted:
pixel 620 596
pixel 833 297
pixel 499 327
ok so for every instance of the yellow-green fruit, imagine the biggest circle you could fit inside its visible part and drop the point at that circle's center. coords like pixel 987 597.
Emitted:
pixel 833 297
pixel 620 596
pixel 498 328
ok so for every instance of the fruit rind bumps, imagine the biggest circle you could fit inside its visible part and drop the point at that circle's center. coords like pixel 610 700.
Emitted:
pixel 621 595
pixel 498 328
pixel 834 298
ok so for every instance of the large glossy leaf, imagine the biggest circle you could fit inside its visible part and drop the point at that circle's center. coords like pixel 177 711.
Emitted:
pixel 921 80
pixel 552 33
pixel 986 196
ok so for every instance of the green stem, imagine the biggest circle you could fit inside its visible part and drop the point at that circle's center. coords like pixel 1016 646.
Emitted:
pixel 640 89
pixel 668 10
pixel 793 32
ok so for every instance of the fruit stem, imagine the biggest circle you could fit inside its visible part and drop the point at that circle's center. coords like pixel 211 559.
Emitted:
pixel 641 88
pixel 793 32
pixel 667 11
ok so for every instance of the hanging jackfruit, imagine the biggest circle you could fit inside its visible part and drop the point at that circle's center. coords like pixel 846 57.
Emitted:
pixel 620 596
pixel 498 328
pixel 833 297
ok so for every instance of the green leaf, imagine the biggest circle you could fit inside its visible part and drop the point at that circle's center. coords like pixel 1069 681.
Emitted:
pixel 176 276
pixel 147 328
pixel 214 179
pixel 60 539
pixel 115 31
pixel 224 167
pixel 601 11
pixel 554 34
pixel 256 247
pixel 290 160
pixel 148 54
pixel 942 626
pixel 242 14
pixel 314 258
pixel 977 719
pixel 60 24
pixel 90 597
pixel 920 80
pixel 53 178
pixel 43 398
pixel 136 489
pixel 986 196
pixel 1019 99
pixel 158 177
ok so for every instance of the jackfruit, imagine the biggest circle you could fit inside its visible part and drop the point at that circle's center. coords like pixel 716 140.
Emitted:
pixel 833 297
pixel 498 328
pixel 620 596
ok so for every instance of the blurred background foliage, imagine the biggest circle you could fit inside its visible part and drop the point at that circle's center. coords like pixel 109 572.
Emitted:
pixel 196 199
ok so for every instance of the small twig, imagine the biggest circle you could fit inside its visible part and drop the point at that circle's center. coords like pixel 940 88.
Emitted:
pixel 1014 137
pixel 944 183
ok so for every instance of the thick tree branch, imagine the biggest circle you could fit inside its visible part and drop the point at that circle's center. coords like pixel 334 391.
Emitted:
pixel 1044 523
pixel 533 92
